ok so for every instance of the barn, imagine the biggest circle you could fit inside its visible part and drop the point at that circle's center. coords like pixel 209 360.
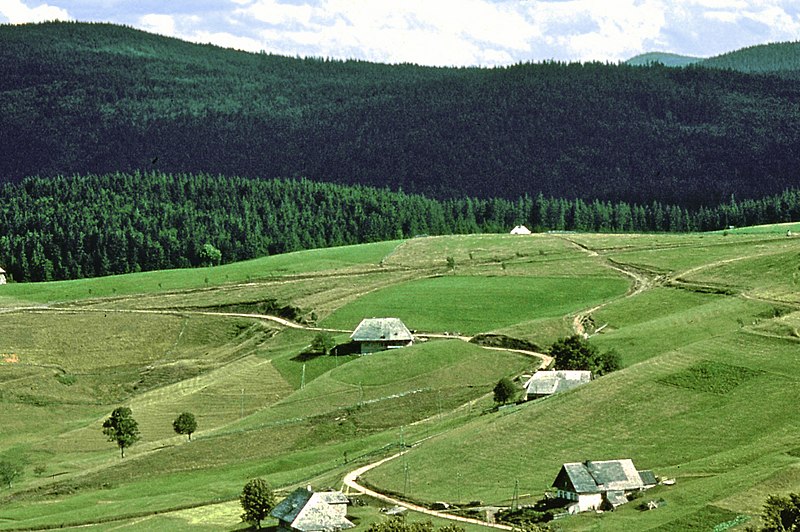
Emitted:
pixel 379 334
pixel 307 511
pixel 600 485
pixel 544 383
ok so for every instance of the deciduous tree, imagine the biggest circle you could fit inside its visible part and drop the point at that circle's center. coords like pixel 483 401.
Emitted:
pixel 575 353
pixel 121 428
pixel 185 423
pixel 505 391
pixel 257 500
pixel 209 255
pixel 323 343
pixel 9 472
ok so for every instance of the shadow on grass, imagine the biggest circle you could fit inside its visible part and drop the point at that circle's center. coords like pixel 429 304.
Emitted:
pixel 349 348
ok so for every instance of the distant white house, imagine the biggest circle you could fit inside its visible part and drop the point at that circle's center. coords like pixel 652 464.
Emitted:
pixel 307 511
pixel 601 485
pixel 544 383
pixel 2 276
pixel 379 334
pixel 520 230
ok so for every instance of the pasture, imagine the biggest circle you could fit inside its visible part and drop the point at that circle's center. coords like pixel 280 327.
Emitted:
pixel 706 326
pixel 473 304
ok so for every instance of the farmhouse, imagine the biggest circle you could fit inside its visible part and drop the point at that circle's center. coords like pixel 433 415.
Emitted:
pixel 2 276
pixel 307 511
pixel 600 485
pixel 378 334
pixel 544 383
pixel 520 230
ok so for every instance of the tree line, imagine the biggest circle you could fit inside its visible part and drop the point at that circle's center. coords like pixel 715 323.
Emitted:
pixel 96 225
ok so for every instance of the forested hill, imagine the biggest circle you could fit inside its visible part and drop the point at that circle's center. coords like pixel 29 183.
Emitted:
pixel 777 58
pixel 95 98
pixel 666 59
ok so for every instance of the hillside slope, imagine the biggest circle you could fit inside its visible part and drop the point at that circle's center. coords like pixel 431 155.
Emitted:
pixel 776 58
pixel 101 98
pixel 705 325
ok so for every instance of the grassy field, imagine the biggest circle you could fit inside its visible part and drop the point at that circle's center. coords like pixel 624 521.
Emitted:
pixel 708 340
pixel 303 262
pixel 473 304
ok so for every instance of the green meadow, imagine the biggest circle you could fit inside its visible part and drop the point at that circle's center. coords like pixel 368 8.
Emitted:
pixel 706 325
pixel 479 303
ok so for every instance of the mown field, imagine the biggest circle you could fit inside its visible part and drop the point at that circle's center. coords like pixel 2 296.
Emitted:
pixel 706 327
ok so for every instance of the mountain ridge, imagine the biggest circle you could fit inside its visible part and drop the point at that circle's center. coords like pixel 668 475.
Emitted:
pixel 99 98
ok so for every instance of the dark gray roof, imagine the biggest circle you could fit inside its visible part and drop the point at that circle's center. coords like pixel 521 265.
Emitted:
pixel 648 477
pixel 307 511
pixel 554 381
pixel 381 330
pixel 600 476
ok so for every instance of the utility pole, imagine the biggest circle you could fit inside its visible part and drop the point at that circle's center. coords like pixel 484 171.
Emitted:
pixel 515 498
pixel 405 480
pixel 303 378
pixel 241 410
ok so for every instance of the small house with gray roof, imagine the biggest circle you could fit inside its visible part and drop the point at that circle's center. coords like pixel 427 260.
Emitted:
pixel 599 485
pixel 544 383
pixel 307 511
pixel 379 334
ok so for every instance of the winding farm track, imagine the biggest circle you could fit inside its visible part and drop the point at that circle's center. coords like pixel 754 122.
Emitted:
pixel 641 283
pixel 351 481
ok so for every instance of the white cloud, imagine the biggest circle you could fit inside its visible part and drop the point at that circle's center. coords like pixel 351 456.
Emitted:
pixel 585 29
pixel 446 32
pixel 779 22
pixel 275 12
pixel 451 32
pixel 162 24
pixel 15 12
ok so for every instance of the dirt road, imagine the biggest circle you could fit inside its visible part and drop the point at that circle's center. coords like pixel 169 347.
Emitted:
pixel 351 482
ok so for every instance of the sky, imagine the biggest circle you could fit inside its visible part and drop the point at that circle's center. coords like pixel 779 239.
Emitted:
pixel 444 32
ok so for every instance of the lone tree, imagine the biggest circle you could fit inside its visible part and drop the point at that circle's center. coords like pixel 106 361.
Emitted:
pixel 121 428
pixel 505 391
pixel 9 472
pixel 185 423
pixel 323 343
pixel 257 500
pixel 209 255
pixel 573 352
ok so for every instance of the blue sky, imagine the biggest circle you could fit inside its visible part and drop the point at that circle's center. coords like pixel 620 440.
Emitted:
pixel 444 32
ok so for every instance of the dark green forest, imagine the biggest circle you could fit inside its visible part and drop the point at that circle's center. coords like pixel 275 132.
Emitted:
pixel 94 98
pixel 94 225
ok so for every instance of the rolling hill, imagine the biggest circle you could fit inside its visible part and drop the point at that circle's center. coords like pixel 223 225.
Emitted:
pixel 705 325
pixel 664 58
pixel 779 59
pixel 96 98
